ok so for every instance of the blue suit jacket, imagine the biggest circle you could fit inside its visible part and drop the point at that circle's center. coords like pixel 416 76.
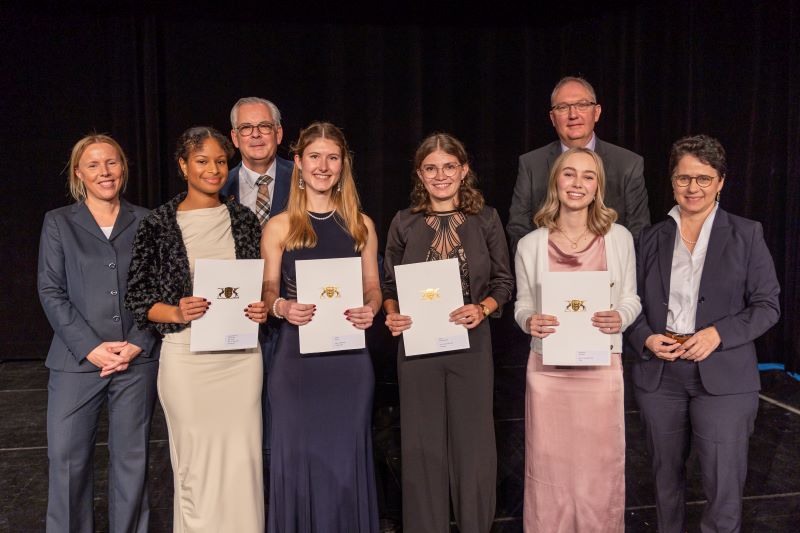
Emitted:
pixel 280 195
pixel 82 280
pixel 738 295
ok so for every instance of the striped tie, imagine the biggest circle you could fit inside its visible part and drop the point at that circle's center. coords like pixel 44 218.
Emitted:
pixel 262 200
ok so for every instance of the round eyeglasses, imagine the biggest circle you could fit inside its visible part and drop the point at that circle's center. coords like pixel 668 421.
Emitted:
pixel 449 170
pixel 702 180
pixel 264 128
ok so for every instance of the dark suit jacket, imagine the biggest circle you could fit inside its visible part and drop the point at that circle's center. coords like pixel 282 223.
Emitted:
pixel 82 280
pixel 280 195
pixel 625 189
pixel 738 295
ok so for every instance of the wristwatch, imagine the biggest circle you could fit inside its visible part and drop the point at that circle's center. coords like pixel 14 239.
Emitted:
pixel 486 311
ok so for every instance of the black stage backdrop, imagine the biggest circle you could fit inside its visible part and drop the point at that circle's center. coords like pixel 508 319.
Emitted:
pixel 389 78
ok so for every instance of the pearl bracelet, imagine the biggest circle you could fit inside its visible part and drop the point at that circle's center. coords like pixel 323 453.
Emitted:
pixel 275 307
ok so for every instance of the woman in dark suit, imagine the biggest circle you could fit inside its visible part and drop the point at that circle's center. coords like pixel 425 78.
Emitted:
pixel 98 353
pixel 708 289
pixel 447 424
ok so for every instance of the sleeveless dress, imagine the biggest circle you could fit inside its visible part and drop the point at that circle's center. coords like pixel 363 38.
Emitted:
pixel 574 433
pixel 212 404
pixel 321 477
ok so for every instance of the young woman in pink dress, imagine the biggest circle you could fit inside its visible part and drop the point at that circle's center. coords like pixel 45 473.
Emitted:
pixel 574 416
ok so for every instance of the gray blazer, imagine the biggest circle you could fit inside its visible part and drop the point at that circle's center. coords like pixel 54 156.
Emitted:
pixel 738 294
pixel 625 189
pixel 82 280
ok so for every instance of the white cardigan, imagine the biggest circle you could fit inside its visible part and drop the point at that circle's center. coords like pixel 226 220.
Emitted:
pixel 532 259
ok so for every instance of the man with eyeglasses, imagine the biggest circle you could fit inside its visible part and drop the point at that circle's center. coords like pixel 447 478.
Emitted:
pixel 260 182
pixel 574 112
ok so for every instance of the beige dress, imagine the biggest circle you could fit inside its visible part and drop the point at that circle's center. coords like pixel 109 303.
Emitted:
pixel 574 433
pixel 212 403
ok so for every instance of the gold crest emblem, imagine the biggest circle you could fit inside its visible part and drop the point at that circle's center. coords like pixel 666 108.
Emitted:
pixel 330 291
pixel 228 293
pixel 430 294
pixel 575 305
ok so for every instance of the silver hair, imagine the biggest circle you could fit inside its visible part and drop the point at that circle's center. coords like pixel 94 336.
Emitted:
pixel 568 79
pixel 276 113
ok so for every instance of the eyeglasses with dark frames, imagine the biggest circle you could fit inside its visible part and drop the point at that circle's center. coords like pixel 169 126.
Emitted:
pixel 449 170
pixel 264 128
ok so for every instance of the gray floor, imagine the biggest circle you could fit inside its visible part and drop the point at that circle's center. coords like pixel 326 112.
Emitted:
pixel 772 494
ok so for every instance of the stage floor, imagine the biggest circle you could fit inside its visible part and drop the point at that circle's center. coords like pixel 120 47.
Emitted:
pixel 772 493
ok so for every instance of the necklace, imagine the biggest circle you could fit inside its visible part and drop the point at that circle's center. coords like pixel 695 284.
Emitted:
pixel 573 244
pixel 326 217
pixel 687 241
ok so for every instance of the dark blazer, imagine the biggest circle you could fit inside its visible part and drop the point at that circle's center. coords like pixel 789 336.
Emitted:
pixel 160 263
pixel 625 189
pixel 484 246
pixel 82 281
pixel 738 295
pixel 280 195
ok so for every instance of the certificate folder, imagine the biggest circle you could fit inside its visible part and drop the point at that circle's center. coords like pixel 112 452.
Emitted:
pixel 229 284
pixel 333 285
pixel 428 292
pixel 573 297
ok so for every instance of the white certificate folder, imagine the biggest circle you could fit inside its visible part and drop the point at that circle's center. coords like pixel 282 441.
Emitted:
pixel 333 285
pixel 230 285
pixel 428 292
pixel 573 297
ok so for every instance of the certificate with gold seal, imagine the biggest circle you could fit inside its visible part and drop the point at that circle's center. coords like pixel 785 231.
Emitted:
pixel 229 284
pixel 333 285
pixel 573 297
pixel 428 292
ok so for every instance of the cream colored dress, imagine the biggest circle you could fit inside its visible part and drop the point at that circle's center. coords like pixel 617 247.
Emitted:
pixel 212 403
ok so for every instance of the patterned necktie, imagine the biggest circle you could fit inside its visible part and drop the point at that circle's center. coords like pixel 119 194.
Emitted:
pixel 262 200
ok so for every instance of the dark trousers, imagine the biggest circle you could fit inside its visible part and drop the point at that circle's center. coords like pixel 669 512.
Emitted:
pixel 268 338
pixel 681 411
pixel 448 442
pixel 74 402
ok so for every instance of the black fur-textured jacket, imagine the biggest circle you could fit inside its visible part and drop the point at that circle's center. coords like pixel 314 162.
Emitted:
pixel 159 269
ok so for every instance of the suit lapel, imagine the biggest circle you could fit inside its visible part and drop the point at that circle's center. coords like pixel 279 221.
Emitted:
pixel 666 249
pixel 283 178
pixel 555 151
pixel 83 218
pixel 720 234
pixel 124 219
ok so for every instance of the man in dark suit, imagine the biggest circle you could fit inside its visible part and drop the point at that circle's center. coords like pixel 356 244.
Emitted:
pixel 574 111
pixel 261 182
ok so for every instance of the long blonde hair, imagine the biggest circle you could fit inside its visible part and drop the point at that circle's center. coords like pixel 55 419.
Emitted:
pixel 600 217
pixel 346 202
pixel 77 189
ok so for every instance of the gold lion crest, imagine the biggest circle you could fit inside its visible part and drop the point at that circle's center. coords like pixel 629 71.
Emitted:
pixel 430 294
pixel 228 293
pixel 330 292
pixel 575 305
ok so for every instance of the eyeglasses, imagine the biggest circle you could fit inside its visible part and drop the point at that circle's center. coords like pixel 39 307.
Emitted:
pixel 429 172
pixel 264 128
pixel 702 180
pixel 582 107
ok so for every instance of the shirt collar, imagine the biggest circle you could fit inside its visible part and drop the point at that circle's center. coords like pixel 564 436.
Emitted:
pixel 250 176
pixel 590 145
pixel 675 213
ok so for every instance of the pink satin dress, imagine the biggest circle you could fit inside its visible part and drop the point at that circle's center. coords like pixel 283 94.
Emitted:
pixel 574 434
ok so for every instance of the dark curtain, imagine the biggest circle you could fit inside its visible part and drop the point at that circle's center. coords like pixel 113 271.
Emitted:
pixel 660 71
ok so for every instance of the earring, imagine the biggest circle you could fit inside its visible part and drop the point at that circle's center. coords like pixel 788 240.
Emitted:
pixel 718 192
pixel 301 184
pixel 339 186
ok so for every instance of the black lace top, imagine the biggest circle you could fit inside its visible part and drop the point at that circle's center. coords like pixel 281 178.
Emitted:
pixel 447 244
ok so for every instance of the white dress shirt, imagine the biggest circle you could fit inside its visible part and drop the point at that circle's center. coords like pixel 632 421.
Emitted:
pixel 684 280
pixel 248 192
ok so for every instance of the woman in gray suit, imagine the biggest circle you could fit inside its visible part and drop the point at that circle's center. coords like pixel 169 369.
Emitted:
pixel 98 354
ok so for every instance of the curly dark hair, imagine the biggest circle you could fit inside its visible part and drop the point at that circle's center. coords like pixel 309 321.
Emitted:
pixel 704 147
pixel 193 138
pixel 470 198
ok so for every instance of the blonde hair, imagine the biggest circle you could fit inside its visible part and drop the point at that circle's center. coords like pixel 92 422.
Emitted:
pixel 77 189
pixel 346 202
pixel 600 217
pixel 470 199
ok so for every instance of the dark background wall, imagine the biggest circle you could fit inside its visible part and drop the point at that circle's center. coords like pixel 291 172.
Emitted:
pixel 389 76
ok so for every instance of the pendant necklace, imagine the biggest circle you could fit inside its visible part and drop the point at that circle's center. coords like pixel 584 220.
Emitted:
pixel 573 244
pixel 326 217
